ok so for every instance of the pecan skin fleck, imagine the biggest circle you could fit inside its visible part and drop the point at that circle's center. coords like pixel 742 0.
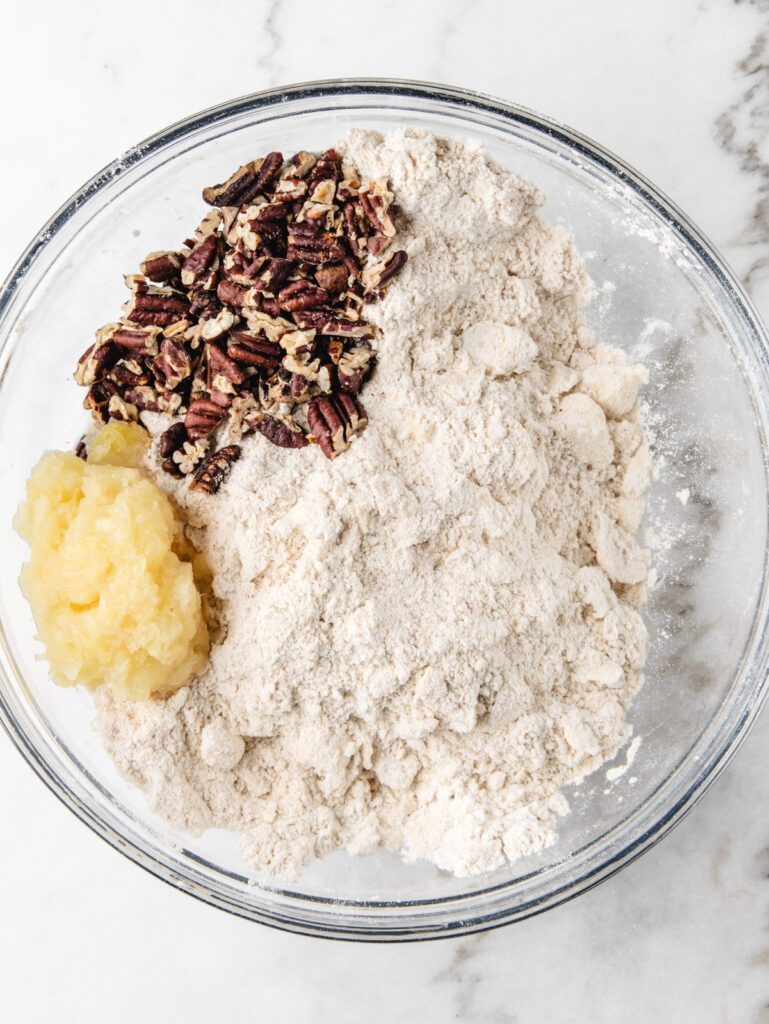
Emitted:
pixel 211 473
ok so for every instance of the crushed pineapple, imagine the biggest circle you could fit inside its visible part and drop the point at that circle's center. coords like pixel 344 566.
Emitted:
pixel 118 444
pixel 109 577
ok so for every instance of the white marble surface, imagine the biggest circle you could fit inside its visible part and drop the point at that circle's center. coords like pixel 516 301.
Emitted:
pixel 681 90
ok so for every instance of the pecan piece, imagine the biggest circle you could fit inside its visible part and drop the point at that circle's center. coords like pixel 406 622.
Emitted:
pixel 202 417
pixel 143 397
pixel 254 349
pixel 327 166
pixel 139 341
pixel 353 226
pixel 222 371
pixel 302 295
pixel 121 408
pixel 377 274
pixel 333 420
pixel 211 474
pixel 130 373
pixel 173 363
pixel 96 362
pixel 161 266
pixel 171 441
pixel 204 304
pixel 378 243
pixel 306 242
pixel 375 201
pixel 156 306
pixel 326 321
pixel 216 327
pixel 274 275
pixel 288 190
pixel 244 184
pixel 186 457
pixel 301 164
pixel 98 398
pixel 200 264
pixel 231 294
pixel 333 277
pixel 353 365
pixel 281 431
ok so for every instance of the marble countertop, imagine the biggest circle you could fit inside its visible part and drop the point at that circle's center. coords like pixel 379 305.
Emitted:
pixel 681 91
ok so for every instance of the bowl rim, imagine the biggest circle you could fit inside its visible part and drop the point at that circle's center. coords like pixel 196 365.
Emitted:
pixel 740 303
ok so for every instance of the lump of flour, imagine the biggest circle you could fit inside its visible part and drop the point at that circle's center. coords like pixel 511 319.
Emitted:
pixel 430 636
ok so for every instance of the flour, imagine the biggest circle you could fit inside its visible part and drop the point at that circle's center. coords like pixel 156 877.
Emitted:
pixel 428 637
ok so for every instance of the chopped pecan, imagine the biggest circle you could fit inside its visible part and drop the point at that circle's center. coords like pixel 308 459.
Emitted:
pixel 377 274
pixel 301 164
pixel 245 184
pixel 288 190
pixel 211 474
pixel 333 420
pixel 200 263
pixel 375 201
pixel 274 236
pixel 172 439
pixel 143 397
pixel 273 275
pixel 327 166
pixel 353 365
pixel 156 306
pixel 188 455
pixel 254 349
pixel 269 212
pixel 96 362
pixel 130 373
pixel 173 363
pixel 98 398
pixel 161 266
pixel 302 295
pixel 281 431
pixel 220 365
pixel 231 294
pixel 333 277
pixel 202 417
pixel 326 321
pixel 204 304
pixel 217 326
pixel 121 409
pixel 313 246
pixel 137 340
pixel 378 243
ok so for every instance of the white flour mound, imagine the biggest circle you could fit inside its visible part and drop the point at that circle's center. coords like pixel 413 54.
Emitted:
pixel 428 637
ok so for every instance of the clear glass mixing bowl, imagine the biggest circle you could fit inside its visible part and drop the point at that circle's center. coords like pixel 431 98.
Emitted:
pixel 663 294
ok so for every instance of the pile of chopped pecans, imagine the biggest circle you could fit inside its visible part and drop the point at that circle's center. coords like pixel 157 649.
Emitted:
pixel 256 323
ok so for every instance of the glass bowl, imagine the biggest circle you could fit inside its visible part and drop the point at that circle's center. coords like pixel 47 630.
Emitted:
pixel 662 293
